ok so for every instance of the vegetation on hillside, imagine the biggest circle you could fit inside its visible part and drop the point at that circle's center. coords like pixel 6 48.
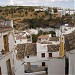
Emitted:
pixel 26 17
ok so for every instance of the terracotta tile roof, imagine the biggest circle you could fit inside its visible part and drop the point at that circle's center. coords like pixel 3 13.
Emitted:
pixel 28 49
pixel 43 37
pixel 54 39
pixel 20 50
pixel 53 48
pixel 70 40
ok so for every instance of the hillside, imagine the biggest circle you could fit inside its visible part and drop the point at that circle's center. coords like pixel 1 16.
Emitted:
pixel 26 17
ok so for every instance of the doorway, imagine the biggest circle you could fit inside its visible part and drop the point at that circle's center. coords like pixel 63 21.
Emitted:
pixel 8 63
pixel 0 71
pixel 6 45
pixel 66 66
pixel 43 63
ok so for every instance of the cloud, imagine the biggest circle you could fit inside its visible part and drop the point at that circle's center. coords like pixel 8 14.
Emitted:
pixel 55 0
pixel 19 2
pixel 13 2
pixel 55 3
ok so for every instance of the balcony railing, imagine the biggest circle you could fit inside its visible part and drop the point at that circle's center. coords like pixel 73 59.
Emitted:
pixel 3 55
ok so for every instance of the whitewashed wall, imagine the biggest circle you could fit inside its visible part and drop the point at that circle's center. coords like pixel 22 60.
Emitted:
pixel 55 54
pixel 1 43
pixel 42 48
pixel 55 42
pixel 5 57
pixel 40 63
pixel 22 41
pixel 56 66
pixel 31 59
pixel 3 63
pixel 10 40
pixel 33 31
pixel 72 62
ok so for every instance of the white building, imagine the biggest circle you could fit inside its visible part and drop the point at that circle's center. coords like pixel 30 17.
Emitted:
pixel 42 54
pixel 43 38
pixel 45 51
pixel 71 62
pixel 56 66
pixel 28 54
pixel 6 49
pixel 22 37
pixel 65 30
pixel 33 31
pixel 40 9
pixel 46 29
pixel 53 51
pixel 48 38
pixel 70 43
pixel 37 54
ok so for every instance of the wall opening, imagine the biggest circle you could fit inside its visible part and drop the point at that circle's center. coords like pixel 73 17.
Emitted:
pixel 43 63
pixel 0 71
pixel 6 45
pixel 8 63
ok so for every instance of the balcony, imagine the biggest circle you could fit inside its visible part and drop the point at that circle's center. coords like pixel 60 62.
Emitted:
pixel 3 54
pixel 5 51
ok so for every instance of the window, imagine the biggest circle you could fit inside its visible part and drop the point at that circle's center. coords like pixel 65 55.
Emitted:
pixel 0 71
pixel 27 56
pixel 50 54
pixel 6 44
pixel 62 38
pixel 43 55
pixel 15 41
pixel 43 63
pixel 8 63
pixel 39 39
pixel 30 15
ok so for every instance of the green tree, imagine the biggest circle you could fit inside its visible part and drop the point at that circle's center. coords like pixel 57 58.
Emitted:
pixel 26 13
pixel 35 13
pixel 46 13
pixel 34 38
pixel 40 32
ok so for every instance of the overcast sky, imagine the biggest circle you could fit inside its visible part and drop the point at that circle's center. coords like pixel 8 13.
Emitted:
pixel 53 3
